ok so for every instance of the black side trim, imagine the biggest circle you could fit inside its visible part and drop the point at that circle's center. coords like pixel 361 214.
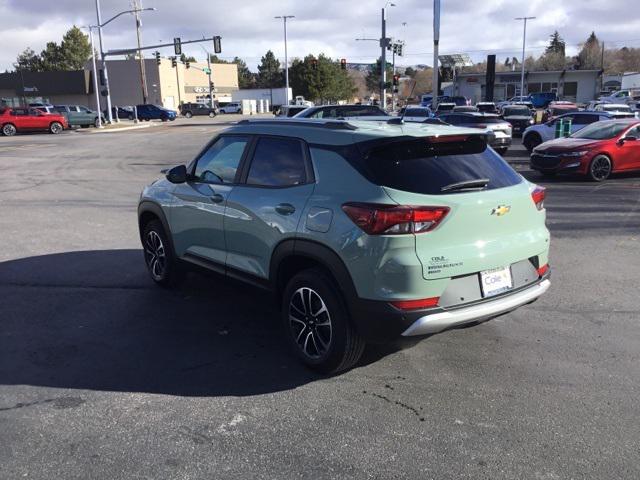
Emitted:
pixel 151 207
pixel 221 269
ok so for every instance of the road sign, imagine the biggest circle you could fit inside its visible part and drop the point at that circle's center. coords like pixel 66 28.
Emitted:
pixel 177 46
pixel 206 70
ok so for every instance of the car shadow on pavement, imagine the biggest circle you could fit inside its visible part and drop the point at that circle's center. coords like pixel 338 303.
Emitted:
pixel 94 320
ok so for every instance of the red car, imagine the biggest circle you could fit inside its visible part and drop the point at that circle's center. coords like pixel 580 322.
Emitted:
pixel 14 120
pixel 597 150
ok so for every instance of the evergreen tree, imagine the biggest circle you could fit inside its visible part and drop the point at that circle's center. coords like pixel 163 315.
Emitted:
pixel 75 49
pixel 269 73
pixel 246 79
pixel 29 60
pixel 590 54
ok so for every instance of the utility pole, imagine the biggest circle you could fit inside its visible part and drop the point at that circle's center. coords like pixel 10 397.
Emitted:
pixel 524 40
pixel 602 69
pixel 210 82
pixel 436 41
pixel 286 56
pixel 95 76
pixel 104 66
pixel 143 74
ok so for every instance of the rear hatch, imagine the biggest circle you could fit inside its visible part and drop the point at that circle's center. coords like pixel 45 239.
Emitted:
pixel 492 220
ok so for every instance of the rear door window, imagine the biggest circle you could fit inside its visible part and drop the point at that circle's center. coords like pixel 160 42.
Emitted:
pixel 421 167
pixel 277 162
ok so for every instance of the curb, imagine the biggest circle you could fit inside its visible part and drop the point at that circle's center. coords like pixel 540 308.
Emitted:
pixel 123 129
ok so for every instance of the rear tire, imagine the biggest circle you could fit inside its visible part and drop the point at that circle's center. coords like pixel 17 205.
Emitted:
pixel 159 257
pixel 9 130
pixel 600 168
pixel 316 323
pixel 96 122
pixel 531 141
pixel 130 117
pixel 212 115
pixel 55 128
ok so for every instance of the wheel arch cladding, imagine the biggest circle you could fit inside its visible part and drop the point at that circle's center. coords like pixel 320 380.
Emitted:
pixel 149 211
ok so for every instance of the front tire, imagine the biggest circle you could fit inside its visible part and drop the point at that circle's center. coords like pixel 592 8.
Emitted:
pixel 531 141
pixel 9 130
pixel 55 128
pixel 600 168
pixel 158 255
pixel 188 115
pixel 212 115
pixel 96 123
pixel 317 325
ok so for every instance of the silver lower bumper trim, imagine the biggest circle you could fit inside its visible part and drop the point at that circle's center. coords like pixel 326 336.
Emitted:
pixel 438 322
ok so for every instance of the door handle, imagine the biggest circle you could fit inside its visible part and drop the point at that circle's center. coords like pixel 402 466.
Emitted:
pixel 217 198
pixel 285 208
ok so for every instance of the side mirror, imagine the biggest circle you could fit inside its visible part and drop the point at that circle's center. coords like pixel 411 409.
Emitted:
pixel 177 174
pixel 628 138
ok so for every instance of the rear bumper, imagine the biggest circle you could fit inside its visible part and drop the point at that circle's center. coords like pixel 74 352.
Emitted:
pixel 440 321
pixel 380 322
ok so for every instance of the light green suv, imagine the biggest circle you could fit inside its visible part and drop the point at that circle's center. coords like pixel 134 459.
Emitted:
pixel 366 231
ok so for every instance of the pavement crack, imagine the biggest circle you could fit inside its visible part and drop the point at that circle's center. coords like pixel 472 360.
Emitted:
pixel 398 403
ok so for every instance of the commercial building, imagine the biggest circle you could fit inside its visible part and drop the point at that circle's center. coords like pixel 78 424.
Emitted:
pixel 580 86
pixel 169 86
pixel 166 85
pixel 73 88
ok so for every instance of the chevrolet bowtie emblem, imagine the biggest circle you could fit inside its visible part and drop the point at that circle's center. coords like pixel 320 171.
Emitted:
pixel 501 210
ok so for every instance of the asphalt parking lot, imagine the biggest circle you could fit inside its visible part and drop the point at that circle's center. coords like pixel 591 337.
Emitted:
pixel 105 376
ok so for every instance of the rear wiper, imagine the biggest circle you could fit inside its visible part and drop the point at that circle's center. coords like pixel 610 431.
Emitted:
pixel 478 184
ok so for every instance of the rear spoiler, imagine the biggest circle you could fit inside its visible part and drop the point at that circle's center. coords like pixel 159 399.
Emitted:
pixel 436 145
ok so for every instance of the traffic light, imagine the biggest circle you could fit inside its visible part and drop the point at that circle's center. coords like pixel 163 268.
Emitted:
pixel 343 63
pixel 187 65
pixel 217 46
pixel 314 64
pixel 174 62
pixel 396 80
pixel 158 61
pixel 399 49
pixel 212 87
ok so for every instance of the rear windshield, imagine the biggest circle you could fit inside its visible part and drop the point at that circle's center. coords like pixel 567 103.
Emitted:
pixel 516 111
pixel 420 167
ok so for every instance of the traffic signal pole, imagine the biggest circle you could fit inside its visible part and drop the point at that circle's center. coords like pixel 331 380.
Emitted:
pixel 210 82
pixel 383 61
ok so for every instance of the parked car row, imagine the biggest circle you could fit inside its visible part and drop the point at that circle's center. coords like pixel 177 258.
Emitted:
pixel 14 120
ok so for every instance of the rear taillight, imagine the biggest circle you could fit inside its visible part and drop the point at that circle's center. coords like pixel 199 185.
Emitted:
pixel 543 269
pixel 416 304
pixel 537 196
pixel 376 219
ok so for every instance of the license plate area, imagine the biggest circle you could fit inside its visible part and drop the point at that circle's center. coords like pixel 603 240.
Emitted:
pixel 496 281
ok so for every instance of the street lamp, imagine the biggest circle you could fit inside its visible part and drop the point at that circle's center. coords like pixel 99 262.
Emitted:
pixel 104 63
pixel 286 57
pixel 95 76
pixel 524 39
